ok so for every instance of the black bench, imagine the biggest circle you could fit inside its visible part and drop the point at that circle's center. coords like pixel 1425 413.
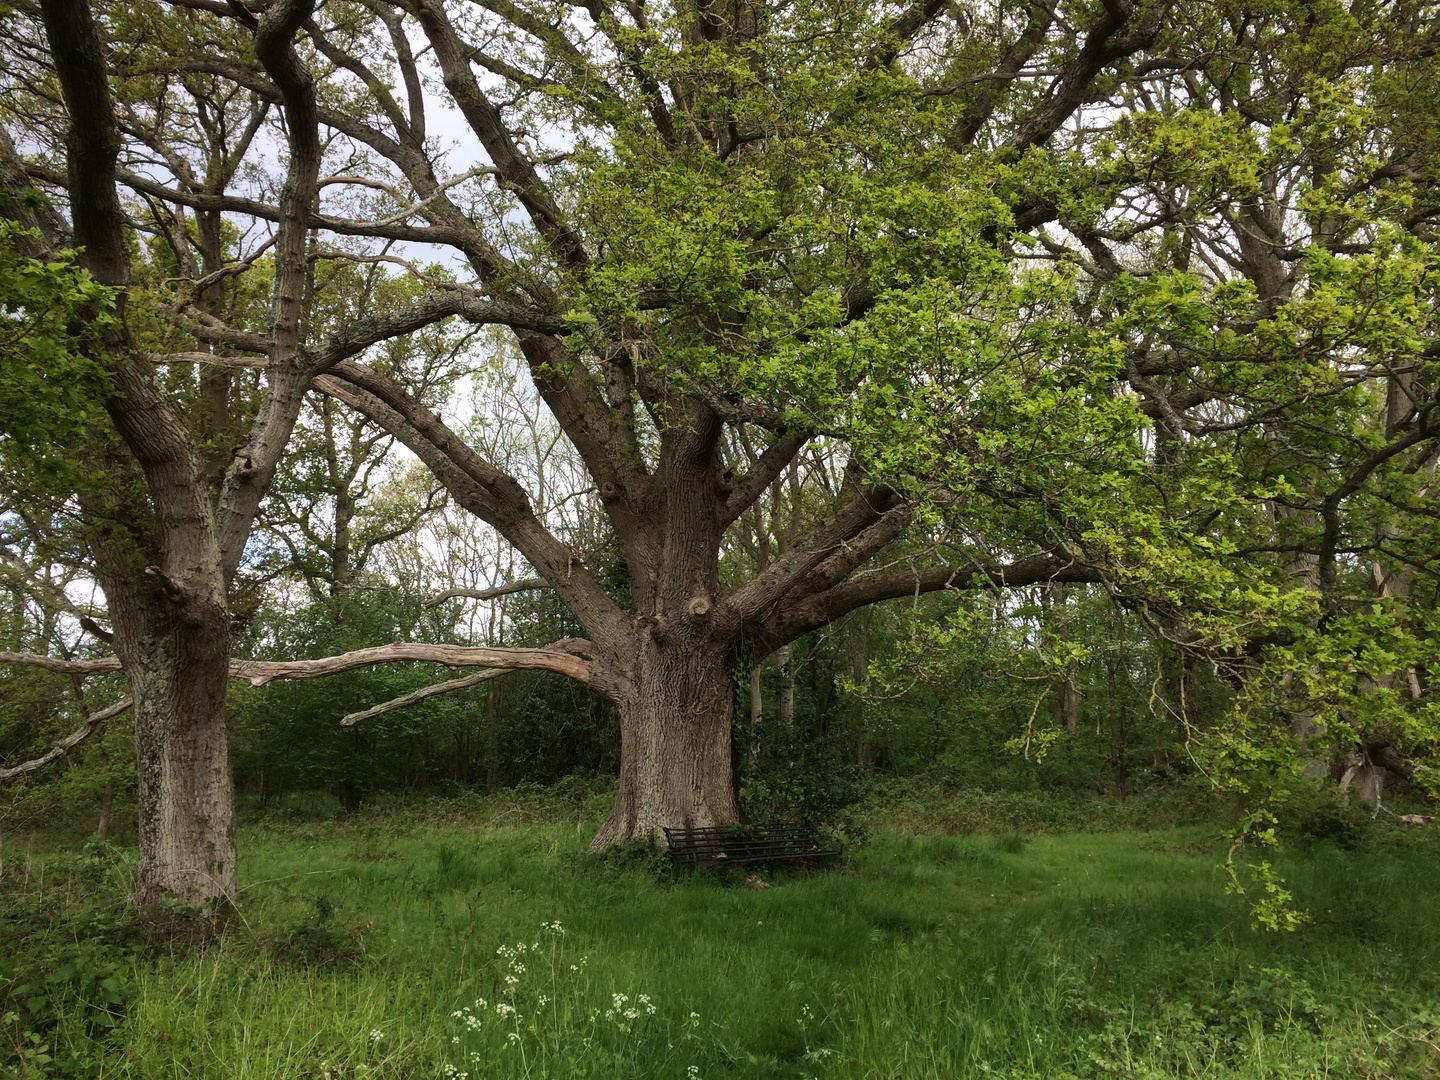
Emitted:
pixel 725 845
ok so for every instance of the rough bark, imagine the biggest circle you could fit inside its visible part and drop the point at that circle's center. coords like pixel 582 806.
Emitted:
pixel 175 656
pixel 107 803
pixel 160 570
pixel 675 767
pixel 785 698
pixel 1072 698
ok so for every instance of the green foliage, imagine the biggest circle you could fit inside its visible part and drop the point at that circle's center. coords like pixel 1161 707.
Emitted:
pixel 51 393
pixel 318 941
pixel 66 951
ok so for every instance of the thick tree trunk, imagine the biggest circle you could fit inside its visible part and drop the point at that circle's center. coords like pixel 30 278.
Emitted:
pixel 675 767
pixel 176 659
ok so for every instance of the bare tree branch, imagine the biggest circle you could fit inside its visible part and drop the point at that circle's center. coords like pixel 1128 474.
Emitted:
pixel 515 169
pixel 48 593
pixel 260 672
pixel 420 695
pixel 494 496
pixel 70 741
pixel 62 667
pixel 524 585
pixel 773 460
pixel 564 657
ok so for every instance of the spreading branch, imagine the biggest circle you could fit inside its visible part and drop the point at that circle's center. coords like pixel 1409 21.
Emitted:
pixel 485 491
pixel 565 657
pixel 796 620
pixel 260 672
pixel 62 667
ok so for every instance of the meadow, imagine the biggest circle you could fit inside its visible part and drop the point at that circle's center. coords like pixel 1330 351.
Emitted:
pixel 481 940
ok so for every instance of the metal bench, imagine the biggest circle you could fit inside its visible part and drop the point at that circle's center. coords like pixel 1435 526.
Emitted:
pixel 725 845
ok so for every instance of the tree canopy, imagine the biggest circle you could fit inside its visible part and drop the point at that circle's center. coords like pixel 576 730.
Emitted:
pixel 1132 295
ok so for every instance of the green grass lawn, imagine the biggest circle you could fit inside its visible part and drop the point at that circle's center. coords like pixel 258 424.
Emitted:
pixel 366 950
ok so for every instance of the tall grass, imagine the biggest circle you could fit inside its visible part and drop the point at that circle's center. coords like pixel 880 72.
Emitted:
pixel 366 950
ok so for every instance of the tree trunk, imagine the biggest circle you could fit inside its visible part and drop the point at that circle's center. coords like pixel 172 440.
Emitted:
pixel 860 676
pixel 785 699
pixel 1072 698
pixel 107 800
pixel 675 767
pixel 177 663
pixel 492 737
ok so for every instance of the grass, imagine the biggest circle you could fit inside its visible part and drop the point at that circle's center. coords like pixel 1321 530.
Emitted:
pixel 926 957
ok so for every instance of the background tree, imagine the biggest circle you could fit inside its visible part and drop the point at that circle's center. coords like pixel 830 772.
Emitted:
pixel 166 502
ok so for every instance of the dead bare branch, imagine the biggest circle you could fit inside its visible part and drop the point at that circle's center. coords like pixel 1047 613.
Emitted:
pixel 62 667
pixel 70 741
pixel 524 585
pixel 260 672
pixel 420 695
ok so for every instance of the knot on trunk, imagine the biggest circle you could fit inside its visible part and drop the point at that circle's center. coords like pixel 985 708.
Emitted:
pixel 699 605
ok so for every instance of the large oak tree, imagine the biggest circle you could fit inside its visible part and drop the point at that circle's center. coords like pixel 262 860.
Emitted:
pixel 1089 292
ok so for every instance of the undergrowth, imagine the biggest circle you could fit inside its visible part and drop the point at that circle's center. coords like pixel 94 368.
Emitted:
pixel 432 944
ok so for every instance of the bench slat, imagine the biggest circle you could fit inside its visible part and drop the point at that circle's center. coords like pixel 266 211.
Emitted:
pixel 715 845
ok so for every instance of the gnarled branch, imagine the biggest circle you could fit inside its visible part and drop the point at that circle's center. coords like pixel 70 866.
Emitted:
pixel 62 667
pixel 260 672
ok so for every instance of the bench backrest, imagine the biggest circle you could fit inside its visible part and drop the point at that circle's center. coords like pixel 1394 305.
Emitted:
pixel 742 843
